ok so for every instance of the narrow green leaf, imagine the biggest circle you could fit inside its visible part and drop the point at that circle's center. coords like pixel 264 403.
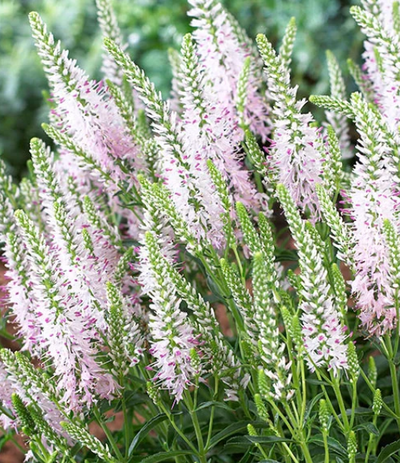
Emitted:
pixel 215 404
pixel 266 439
pixel 229 431
pixel 164 456
pixel 148 426
pixel 317 382
pixel 334 445
pixel 247 457
pixel 369 427
pixel 310 406
pixel 388 451
pixel 241 444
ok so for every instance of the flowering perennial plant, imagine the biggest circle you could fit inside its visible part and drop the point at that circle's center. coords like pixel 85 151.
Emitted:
pixel 217 273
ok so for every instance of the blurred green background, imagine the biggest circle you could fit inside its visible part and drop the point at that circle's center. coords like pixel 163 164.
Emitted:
pixel 150 27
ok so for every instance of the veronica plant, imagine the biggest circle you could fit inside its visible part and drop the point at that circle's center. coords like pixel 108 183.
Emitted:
pixel 151 283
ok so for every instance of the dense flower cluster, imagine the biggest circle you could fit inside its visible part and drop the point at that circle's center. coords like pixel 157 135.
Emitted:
pixel 144 274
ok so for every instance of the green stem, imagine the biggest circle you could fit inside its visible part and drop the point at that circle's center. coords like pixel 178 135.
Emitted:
pixel 328 400
pixel 211 424
pixel 298 432
pixel 239 264
pixel 295 460
pixel 108 434
pixel 127 419
pixel 45 453
pixel 336 388
pixel 353 403
pixel 178 431
pixel 306 452
pixel 384 405
pixel 397 333
pixel 283 418
pixel 393 373
pixel 279 432
pixel 396 396
pixel 127 426
pixel 197 429
pixel 326 447
pixel 370 441
pixel 262 451
pixel 223 289
pixel 304 390
pixel 292 418
pixel 382 432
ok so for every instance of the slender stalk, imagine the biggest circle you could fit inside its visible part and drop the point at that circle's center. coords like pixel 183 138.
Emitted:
pixel 353 403
pixel 304 390
pixel 306 452
pixel 196 424
pixel 127 426
pixel 396 395
pixel 294 367
pixel 199 437
pixel 397 332
pixel 108 434
pixel 211 424
pixel 371 441
pixel 239 263
pixel 178 431
pixel 336 388
pixel 127 420
pixel 327 398
pixel 44 451
pixel 282 416
pixel 382 432
pixel 279 432
pixel 393 374
pixel 296 416
pixel 295 460
pixel 292 418
pixel 326 447
pixel 262 451
pixel 384 405
pixel 224 291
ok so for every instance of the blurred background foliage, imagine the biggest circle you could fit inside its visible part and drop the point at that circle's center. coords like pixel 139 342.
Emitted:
pixel 150 27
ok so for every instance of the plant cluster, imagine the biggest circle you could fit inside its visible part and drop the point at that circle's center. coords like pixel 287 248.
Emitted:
pixel 151 27
pixel 148 277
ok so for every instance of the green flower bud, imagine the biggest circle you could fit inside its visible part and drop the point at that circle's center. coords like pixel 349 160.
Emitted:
pixel 377 402
pixel 324 415
pixel 352 445
pixel 251 430
pixel 297 334
pixel 352 360
pixel 153 392
pixel 251 237
pixel 263 384
pixel 248 350
pixel 372 371
pixel 261 408
pixel 195 360
pixel 294 280
pixel 91 442
pixel 339 286
pixel 23 415
pixel 316 237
